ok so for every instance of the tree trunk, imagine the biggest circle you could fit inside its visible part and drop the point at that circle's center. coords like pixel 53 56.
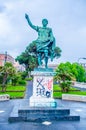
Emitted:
pixel 4 83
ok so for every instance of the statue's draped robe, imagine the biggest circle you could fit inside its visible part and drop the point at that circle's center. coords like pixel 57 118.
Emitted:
pixel 45 41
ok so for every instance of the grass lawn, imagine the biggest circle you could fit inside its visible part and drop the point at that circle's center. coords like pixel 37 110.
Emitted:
pixel 15 88
pixel 14 95
pixel 58 94
pixel 14 91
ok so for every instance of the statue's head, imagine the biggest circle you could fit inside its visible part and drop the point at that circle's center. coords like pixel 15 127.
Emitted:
pixel 44 22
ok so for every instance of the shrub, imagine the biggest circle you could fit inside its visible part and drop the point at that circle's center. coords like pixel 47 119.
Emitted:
pixel 22 82
pixel 24 74
pixel 1 79
pixel 29 79
pixel 65 86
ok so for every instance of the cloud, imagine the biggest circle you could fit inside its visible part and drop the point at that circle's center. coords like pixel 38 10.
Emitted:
pixel 66 18
pixel 2 8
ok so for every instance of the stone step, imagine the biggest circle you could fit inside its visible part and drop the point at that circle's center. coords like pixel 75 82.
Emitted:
pixel 42 112
pixel 42 119
pixel 52 118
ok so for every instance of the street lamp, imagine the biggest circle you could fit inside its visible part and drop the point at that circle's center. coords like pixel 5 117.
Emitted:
pixel 5 56
pixel 84 58
pixel 83 64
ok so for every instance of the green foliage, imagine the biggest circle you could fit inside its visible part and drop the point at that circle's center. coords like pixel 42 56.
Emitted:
pixel 14 79
pixel 32 48
pixel 14 91
pixel 57 93
pixel 29 79
pixel 9 75
pixel 77 71
pixel 67 72
pixel 64 76
pixel 1 78
pixel 29 60
pixel 18 79
pixel 15 88
pixel 57 52
pixel 14 95
pixel 7 71
pixel 85 77
pixel 65 86
pixel 56 87
pixel 22 82
pixel 24 74
pixel 29 56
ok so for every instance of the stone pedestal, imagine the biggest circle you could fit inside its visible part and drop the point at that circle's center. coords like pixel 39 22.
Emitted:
pixel 42 88
pixel 41 107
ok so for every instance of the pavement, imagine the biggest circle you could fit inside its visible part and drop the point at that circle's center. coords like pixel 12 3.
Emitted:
pixel 79 85
pixel 77 108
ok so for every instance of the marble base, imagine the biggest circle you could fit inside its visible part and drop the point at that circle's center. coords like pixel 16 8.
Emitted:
pixel 42 102
pixel 41 114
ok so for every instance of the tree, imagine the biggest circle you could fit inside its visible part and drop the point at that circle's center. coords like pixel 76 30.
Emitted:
pixel 64 76
pixel 29 60
pixel 79 72
pixel 7 71
pixel 18 78
pixel 85 77
pixel 29 56
pixel 67 72
pixel 57 52
pixel 33 50
pixel 1 77
pixel 15 78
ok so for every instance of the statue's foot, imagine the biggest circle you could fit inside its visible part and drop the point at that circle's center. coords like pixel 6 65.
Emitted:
pixel 46 67
pixel 40 66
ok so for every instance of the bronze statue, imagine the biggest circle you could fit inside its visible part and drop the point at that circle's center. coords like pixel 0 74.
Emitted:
pixel 45 42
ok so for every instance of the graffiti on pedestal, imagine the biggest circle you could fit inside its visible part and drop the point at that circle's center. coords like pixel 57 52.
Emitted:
pixel 44 87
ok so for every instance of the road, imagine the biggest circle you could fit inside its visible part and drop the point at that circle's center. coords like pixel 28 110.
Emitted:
pixel 78 108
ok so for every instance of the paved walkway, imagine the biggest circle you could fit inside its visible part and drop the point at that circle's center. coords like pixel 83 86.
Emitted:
pixel 75 108
pixel 29 90
pixel 80 86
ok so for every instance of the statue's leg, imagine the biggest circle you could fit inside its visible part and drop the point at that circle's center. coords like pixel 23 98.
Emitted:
pixel 51 55
pixel 39 59
pixel 46 58
pixel 52 49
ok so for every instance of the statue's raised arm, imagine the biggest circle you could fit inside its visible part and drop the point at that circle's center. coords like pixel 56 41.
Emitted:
pixel 30 23
pixel 45 43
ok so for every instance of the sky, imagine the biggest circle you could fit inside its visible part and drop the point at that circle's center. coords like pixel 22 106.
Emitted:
pixel 67 18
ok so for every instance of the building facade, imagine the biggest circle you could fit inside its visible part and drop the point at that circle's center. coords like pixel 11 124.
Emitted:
pixel 6 58
pixel 19 67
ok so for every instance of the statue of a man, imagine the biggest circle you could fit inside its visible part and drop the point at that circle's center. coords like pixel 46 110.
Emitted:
pixel 45 42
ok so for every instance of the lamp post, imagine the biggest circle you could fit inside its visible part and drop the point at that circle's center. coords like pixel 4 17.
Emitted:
pixel 83 64
pixel 84 58
pixel 5 56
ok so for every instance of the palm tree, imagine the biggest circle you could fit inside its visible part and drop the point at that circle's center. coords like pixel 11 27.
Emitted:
pixel 7 70
pixel 64 76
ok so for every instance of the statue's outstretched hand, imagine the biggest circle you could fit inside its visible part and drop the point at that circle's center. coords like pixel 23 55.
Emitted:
pixel 26 16
pixel 29 21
